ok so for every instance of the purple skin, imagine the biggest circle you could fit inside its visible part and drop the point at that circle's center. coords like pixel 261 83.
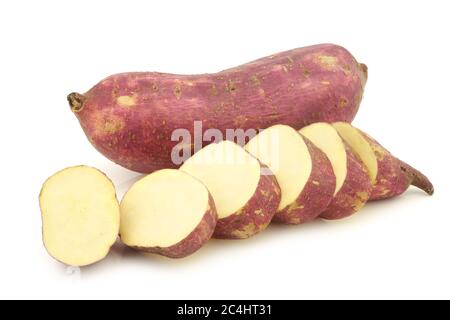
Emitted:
pixel 256 215
pixel 394 176
pixel 130 117
pixel 317 194
pixel 196 239
pixel 355 191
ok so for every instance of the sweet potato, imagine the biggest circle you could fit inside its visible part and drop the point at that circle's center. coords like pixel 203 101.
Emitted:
pixel 246 200
pixel 390 176
pixel 353 184
pixel 80 215
pixel 169 213
pixel 130 117
pixel 302 170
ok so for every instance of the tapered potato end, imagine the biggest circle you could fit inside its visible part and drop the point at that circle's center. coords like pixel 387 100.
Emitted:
pixel 417 178
pixel 395 176
pixel 390 176
pixel 80 215
pixel 169 213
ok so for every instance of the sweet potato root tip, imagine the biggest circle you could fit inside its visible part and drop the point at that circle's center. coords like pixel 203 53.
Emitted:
pixel 418 179
pixel 365 71
pixel 76 101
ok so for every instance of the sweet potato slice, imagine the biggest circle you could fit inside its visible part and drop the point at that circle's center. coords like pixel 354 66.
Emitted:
pixel 169 213
pixel 245 199
pixel 390 176
pixel 303 172
pixel 80 215
pixel 353 185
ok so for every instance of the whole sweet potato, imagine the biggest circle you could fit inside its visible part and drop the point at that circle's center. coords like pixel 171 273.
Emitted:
pixel 130 117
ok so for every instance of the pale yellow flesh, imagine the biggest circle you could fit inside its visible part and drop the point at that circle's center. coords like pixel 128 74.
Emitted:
pixel 284 151
pixel 360 146
pixel 80 215
pixel 326 138
pixel 162 209
pixel 229 172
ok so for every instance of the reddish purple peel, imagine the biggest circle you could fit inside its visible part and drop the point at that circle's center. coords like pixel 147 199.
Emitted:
pixel 317 193
pixel 196 239
pixel 256 215
pixel 354 193
pixel 130 117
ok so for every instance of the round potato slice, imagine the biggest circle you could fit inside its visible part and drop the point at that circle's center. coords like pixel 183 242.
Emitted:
pixel 353 183
pixel 246 199
pixel 302 170
pixel 168 212
pixel 80 215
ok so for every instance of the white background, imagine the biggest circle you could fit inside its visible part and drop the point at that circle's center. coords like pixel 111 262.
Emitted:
pixel 392 249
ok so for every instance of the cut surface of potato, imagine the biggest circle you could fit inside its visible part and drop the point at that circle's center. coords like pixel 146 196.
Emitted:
pixel 352 178
pixel 360 146
pixel 80 215
pixel 230 174
pixel 245 199
pixel 326 138
pixel 284 151
pixel 164 210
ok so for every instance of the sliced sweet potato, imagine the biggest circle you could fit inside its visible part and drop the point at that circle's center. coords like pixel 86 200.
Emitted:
pixel 80 215
pixel 245 199
pixel 353 185
pixel 169 213
pixel 303 171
